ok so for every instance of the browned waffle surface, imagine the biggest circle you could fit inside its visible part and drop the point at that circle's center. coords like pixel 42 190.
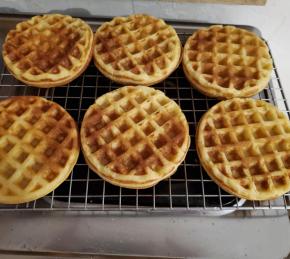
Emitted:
pixel 138 49
pixel 49 50
pixel 226 62
pixel 244 145
pixel 38 148
pixel 134 136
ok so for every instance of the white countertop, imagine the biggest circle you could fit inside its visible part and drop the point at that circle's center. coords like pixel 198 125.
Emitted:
pixel 198 237
pixel 183 236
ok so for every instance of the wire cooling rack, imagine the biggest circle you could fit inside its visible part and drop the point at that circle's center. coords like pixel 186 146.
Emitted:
pixel 189 189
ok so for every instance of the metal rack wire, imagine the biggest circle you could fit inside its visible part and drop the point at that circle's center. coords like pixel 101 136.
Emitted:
pixel 188 190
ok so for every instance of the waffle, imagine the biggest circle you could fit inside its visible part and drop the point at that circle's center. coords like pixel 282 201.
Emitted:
pixel 134 137
pixel 227 62
pixel 38 148
pixel 244 145
pixel 137 50
pixel 49 50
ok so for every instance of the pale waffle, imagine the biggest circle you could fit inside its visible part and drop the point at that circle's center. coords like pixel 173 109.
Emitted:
pixel 244 145
pixel 49 50
pixel 138 49
pixel 226 62
pixel 134 137
pixel 39 146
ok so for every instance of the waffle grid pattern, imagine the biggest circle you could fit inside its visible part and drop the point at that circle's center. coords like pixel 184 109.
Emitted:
pixel 245 147
pixel 38 149
pixel 137 130
pixel 48 50
pixel 138 49
pixel 226 62
pixel 184 191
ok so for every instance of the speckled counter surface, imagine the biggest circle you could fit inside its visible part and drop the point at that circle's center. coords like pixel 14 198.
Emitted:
pixel 198 237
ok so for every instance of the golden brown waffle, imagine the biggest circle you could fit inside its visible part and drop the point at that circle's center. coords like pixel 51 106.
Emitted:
pixel 138 49
pixel 226 62
pixel 134 137
pixel 49 50
pixel 244 145
pixel 39 146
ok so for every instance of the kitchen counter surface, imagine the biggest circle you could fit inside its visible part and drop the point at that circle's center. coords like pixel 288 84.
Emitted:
pixel 179 235
pixel 198 237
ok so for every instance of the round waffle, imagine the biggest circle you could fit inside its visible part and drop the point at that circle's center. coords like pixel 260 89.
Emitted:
pixel 226 62
pixel 244 145
pixel 134 137
pixel 138 49
pixel 39 146
pixel 49 50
